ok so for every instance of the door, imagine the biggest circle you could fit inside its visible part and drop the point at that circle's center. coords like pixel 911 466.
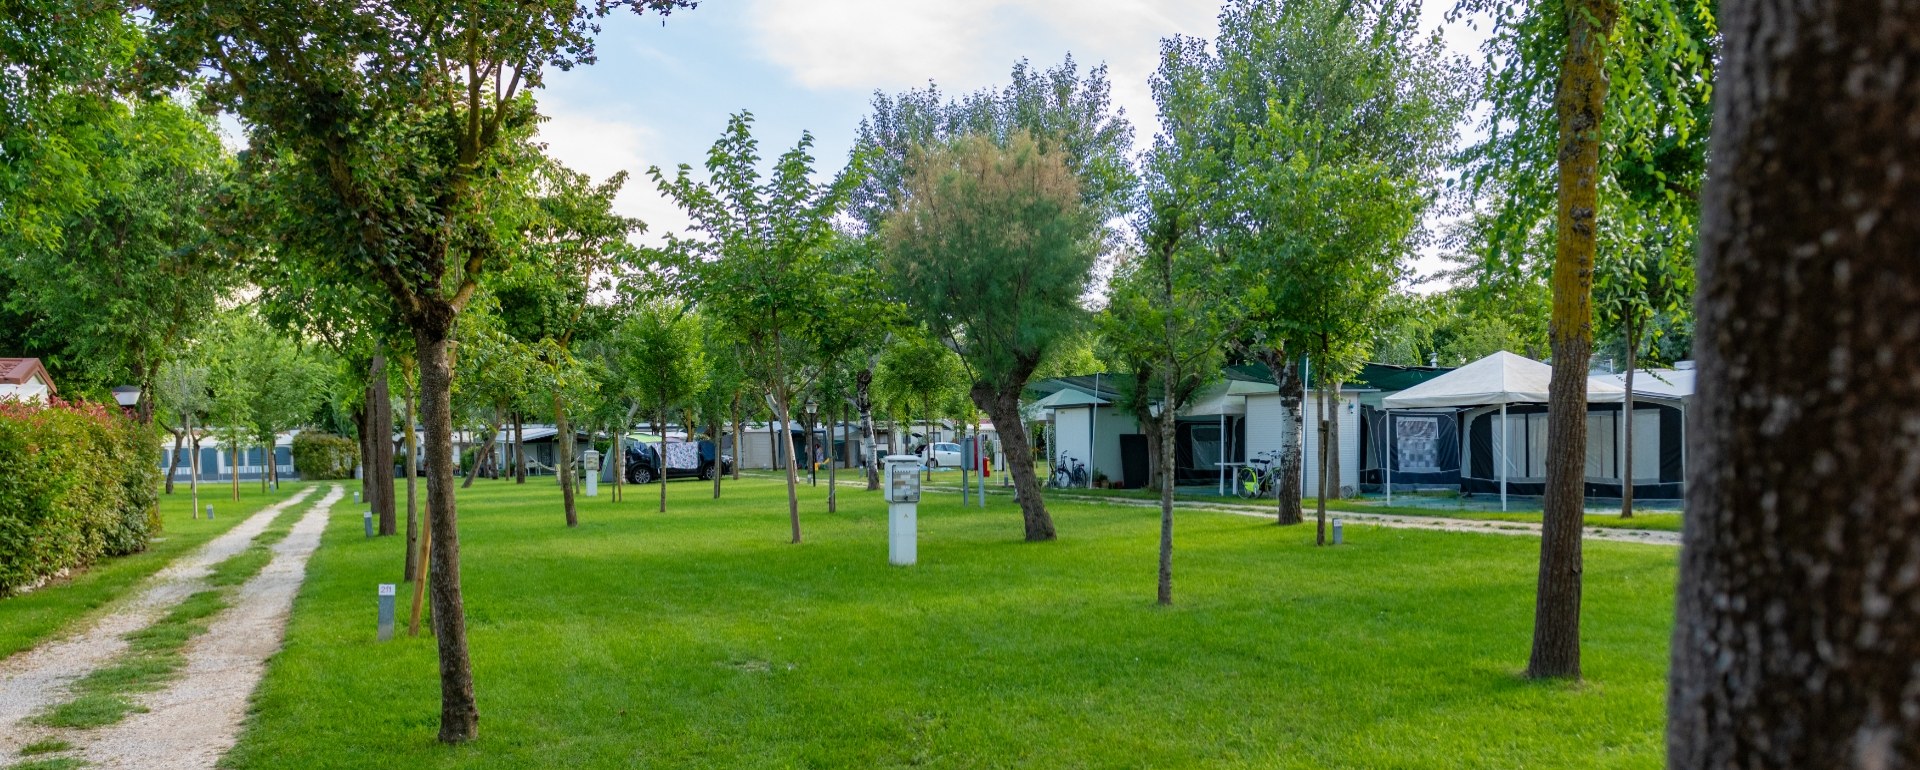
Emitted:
pixel 1134 460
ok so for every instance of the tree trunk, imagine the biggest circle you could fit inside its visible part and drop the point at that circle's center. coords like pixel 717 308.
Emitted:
pixel 1004 407
pixel 459 717
pixel 563 461
pixel 863 397
pixel 1332 488
pixel 1626 429
pixel 485 457
pixel 1581 103
pixel 713 424
pixel 234 467
pixel 783 409
pixel 173 462
pixel 1320 494
pixel 411 417
pixel 659 424
pixel 362 422
pixel 1796 630
pixel 519 447
pixel 380 464
pixel 193 465
pixel 1286 376
pixel 1166 429
pixel 833 499
pixel 739 436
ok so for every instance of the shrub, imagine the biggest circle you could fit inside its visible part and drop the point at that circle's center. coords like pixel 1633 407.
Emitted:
pixel 322 456
pixel 77 482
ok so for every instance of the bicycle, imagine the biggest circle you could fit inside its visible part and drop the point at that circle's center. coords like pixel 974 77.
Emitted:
pixel 1260 477
pixel 1067 477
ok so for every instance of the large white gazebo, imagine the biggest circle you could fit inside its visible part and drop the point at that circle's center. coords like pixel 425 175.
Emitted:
pixel 1497 380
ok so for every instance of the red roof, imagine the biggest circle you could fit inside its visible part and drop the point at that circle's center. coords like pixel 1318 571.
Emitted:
pixel 16 371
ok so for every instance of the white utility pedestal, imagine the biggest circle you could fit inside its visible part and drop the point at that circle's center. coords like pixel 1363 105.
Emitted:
pixel 902 485
pixel 590 462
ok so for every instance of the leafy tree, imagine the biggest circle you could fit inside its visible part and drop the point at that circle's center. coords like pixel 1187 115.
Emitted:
pixel 662 347
pixel 992 252
pixel 758 258
pixel 285 388
pixel 133 274
pixel 1634 288
pixel 1608 100
pixel 1056 108
pixel 917 374
pixel 181 396
pixel 402 114
pixel 1794 628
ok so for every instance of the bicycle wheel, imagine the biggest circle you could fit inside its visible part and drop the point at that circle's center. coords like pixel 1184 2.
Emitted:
pixel 1246 483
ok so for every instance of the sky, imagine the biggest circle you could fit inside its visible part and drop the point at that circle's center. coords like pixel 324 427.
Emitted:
pixel 661 93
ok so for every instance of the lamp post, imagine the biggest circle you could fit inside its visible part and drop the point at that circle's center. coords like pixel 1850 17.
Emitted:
pixel 813 407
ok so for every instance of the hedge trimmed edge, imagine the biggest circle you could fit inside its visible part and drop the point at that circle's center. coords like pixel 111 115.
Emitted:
pixel 323 456
pixel 77 482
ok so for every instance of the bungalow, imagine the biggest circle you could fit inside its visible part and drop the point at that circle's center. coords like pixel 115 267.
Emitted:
pixel 25 379
pixel 219 461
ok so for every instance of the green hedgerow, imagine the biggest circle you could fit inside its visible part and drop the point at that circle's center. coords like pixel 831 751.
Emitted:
pixel 77 482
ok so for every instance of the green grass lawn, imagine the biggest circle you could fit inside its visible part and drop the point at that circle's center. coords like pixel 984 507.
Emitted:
pixel 28 620
pixel 700 638
pixel 1443 506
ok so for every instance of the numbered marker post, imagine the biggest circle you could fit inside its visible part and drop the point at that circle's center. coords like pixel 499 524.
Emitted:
pixel 1336 531
pixel 209 513
pixel 367 519
pixel 386 611
pixel 356 497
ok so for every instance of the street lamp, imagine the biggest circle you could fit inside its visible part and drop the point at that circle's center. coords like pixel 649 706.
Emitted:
pixel 813 408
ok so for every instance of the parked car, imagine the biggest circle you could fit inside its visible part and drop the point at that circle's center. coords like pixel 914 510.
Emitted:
pixel 941 453
pixel 684 459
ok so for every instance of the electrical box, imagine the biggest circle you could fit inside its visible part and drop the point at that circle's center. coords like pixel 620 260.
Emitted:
pixel 903 479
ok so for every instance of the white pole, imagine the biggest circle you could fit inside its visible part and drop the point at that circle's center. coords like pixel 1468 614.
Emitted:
pixel 1505 435
pixel 1223 451
pixel 1093 431
pixel 1387 441
pixel 1620 444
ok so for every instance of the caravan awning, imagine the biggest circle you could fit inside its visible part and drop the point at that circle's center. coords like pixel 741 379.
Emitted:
pixel 1656 383
pixel 1501 378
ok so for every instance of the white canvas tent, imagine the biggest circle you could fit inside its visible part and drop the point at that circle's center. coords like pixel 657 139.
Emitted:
pixel 1497 380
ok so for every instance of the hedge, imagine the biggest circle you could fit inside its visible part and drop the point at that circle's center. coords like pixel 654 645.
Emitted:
pixel 323 456
pixel 77 482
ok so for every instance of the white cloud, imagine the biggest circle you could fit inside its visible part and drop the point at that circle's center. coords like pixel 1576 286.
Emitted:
pixel 602 146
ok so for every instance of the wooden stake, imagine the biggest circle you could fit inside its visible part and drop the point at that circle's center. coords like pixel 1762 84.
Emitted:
pixel 420 578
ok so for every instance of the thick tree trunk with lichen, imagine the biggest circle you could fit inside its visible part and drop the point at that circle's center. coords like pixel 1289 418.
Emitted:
pixel 1581 104
pixel 1798 611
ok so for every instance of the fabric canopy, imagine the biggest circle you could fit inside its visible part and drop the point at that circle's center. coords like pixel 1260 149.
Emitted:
pixel 1501 378
pixel 1656 383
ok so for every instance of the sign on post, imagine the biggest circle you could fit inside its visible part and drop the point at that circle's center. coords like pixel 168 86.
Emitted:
pixel 903 499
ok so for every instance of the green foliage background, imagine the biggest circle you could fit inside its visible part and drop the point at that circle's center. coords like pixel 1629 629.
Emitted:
pixel 322 456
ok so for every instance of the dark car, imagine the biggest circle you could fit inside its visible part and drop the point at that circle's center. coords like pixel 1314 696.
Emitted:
pixel 684 459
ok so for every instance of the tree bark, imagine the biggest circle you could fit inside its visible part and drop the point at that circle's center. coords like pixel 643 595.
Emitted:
pixel 833 499
pixel 563 444
pixel 1332 488
pixel 1581 104
pixel 173 462
pixel 519 448
pixel 459 716
pixel 485 457
pixel 1166 430
pixel 1626 428
pixel 1286 376
pixel 739 436
pixel 1320 496
pixel 233 470
pixel 659 425
pixel 1798 611
pixel 193 466
pixel 1004 407
pixel 409 399
pixel 863 397
pixel 362 422
pixel 781 399
pixel 380 463
pixel 713 425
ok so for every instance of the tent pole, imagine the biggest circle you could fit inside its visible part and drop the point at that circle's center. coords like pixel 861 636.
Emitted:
pixel 1505 436
pixel 1387 443
pixel 1222 466
pixel 1620 445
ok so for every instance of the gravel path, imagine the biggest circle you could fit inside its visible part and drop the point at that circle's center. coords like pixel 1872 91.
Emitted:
pixel 1395 521
pixel 35 679
pixel 196 719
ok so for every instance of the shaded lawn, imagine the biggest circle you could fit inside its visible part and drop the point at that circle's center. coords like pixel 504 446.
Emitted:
pixel 28 620
pixel 1449 507
pixel 700 638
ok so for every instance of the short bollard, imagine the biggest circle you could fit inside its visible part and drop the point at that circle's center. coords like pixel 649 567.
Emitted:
pixel 209 513
pixel 386 611
pixel 1336 531
pixel 356 497
pixel 367 519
